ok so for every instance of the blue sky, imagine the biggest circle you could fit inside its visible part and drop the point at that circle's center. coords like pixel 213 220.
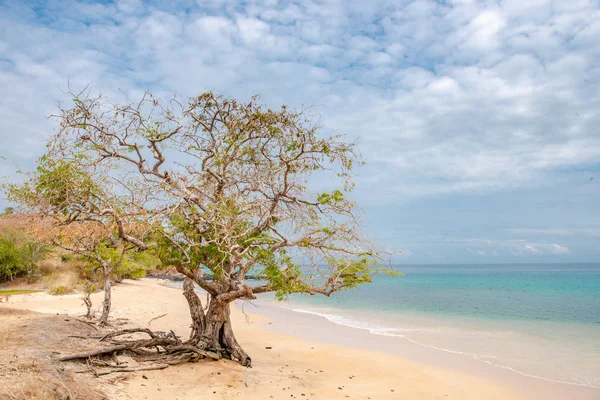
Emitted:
pixel 479 120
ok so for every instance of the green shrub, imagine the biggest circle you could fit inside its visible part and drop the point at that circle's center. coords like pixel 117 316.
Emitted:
pixel 129 270
pixel 61 289
pixel 18 257
pixel 136 264
pixel 14 260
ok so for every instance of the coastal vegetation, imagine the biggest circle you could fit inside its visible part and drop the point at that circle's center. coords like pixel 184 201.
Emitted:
pixel 19 256
pixel 30 259
pixel 212 187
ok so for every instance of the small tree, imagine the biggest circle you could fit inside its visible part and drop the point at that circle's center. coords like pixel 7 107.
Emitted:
pixel 226 186
pixel 75 210
pixel 88 287
pixel 8 211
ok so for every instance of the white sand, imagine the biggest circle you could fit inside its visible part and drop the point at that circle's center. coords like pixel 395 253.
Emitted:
pixel 294 368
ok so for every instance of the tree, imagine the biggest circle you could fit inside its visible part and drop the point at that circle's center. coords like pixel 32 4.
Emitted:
pixel 8 211
pixel 75 208
pixel 226 189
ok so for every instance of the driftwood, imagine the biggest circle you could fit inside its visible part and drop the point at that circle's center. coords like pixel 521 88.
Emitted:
pixel 125 369
pixel 88 323
pixel 93 353
pixel 162 348
pixel 129 331
pixel 155 318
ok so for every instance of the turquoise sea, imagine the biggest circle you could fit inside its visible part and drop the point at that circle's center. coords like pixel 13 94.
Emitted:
pixel 540 320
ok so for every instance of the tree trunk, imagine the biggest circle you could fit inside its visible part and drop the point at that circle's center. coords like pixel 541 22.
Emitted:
pixel 107 299
pixel 87 300
pixel 196 310
pixel 212 331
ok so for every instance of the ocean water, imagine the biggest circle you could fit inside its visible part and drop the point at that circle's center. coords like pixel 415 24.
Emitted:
pixel 539 320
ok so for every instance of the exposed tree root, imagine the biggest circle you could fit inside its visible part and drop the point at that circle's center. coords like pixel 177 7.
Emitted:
pixel 123 369
pixel 158 352
pixel 211 337
pixel 134 330
pixel 88 323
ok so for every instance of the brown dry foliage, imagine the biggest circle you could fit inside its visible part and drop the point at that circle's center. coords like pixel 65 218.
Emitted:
pixel 53 271
pixel 14 221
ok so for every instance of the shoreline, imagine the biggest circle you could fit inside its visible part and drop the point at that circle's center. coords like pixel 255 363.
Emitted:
pixel 384 329
pixel 294 356
pixel 312 326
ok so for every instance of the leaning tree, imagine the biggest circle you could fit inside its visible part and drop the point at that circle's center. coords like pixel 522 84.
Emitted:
pixel 72 205
pixel 228 190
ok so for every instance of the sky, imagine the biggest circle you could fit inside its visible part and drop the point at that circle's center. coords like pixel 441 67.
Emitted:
pixel 478 120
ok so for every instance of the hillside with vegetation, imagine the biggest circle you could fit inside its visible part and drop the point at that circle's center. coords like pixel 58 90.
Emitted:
pixel 28 264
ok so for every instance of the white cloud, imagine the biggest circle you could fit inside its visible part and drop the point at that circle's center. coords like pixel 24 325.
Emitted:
pixel 477 252
pixel 542 231
pixel 467 97
pixel 252 29
pixel 514 247
pixel 481 34
pixel 558 249
pixel 556 231
pixel 380 58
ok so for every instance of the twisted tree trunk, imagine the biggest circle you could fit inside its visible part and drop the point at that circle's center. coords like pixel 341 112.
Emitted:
pixel 212 330
pixel 196 310
pixel 87 300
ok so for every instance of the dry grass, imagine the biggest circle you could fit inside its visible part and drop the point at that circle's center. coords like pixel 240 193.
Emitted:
pixel 64 283
pixel 58 276
pixel 28 366
pixel 30 377
pixel 51 265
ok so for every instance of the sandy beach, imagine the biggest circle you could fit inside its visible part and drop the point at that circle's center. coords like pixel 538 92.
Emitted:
pixel 294 357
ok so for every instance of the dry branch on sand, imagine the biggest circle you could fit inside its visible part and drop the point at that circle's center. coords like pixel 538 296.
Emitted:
pixel 158 351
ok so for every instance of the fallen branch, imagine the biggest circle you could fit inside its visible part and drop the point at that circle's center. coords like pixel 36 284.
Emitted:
pixel 128 331
pixel 188 348
pixel 174 351
pixel 100 363
pixel 106 372
pixel 88 323
pixel 155 318
pixel 92 353
pixel 83 337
